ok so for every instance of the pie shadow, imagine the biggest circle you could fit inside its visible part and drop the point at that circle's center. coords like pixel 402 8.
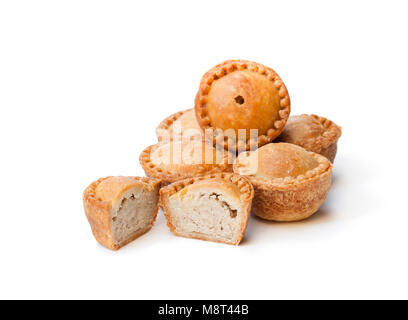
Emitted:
pixel 349 198
pixel 260 228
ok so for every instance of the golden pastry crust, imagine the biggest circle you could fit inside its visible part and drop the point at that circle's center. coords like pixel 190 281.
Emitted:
pixel 102 195
pixel 240 94
pixel 312 132
pixel 188 125
pixel 169 172
pixel 232 182
pixel 287 193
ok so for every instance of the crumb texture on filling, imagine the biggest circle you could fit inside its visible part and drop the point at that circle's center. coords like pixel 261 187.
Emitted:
pixel 133 215
pixel 206 213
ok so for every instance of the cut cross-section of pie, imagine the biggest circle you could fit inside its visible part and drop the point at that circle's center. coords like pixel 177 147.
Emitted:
pixel 179 126
pixel 177 160
pixel 313 133
pixel 290 183
pixel 237 96
pixel 120 209
pixel 213 207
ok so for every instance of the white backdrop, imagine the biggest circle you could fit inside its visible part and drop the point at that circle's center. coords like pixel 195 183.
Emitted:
pixel 83 84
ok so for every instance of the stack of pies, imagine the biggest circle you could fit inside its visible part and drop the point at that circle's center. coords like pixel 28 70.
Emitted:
pixel 237 151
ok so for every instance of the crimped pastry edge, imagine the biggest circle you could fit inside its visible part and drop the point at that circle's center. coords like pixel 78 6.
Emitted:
pixel 331 134
pixel 167 176
pixel 295 189
pixel 296 203
pixel 225 68
pixel 326 143
pixel 167 122
pixel 284 183
pixel 246 195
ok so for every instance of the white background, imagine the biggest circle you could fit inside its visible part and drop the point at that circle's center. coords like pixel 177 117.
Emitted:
pixel 83 84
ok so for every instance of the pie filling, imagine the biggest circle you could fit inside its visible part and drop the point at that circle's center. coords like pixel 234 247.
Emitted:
pixel 212 214
pixel 134 214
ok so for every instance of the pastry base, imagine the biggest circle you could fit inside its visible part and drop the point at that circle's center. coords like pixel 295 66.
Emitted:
pixel 298 202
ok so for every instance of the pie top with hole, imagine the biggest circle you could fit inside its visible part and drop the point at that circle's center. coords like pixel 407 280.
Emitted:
pixel 240 94
pixel 280 165
pixel 178 160
pixel 213 207
pixel 313 133
pixel 178 126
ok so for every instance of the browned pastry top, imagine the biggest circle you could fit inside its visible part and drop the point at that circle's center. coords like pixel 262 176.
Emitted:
pixel 281 160
pixel 239 94
pixel 281 163
pixel 191 153
pixel 110 189
pixel 236 185
pixel 311 132
pixel 243 100
pixel 178 126
pixel 182 159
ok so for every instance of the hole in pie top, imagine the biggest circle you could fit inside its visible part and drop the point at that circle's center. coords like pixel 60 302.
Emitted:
pixel 239 99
